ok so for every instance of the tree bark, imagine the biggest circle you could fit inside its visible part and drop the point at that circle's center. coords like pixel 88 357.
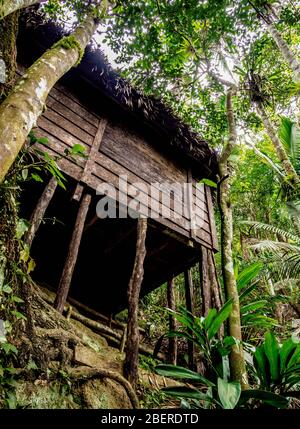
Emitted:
pixel 40 210
pixel 237 362
pixel 287 166
pixel 133 293
pixel 21 109
pixel 188 282
pixel 65 281
pixel 9 6
pixel 172 355
pixel 285 50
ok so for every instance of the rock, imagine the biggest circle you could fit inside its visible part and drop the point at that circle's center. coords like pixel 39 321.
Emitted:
pixel 88 357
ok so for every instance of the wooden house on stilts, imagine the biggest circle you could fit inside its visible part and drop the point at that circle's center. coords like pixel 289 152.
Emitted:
pixel 130 140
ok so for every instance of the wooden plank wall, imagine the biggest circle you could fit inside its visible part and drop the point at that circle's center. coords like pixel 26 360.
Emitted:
pixel 67 122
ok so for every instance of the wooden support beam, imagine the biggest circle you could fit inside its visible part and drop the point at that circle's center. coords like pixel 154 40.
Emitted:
pixel 204 281
pixel 40 209
pixel 133 293
pixel 188 282
pixel 172 354
pixel 65 281
pixel 89 166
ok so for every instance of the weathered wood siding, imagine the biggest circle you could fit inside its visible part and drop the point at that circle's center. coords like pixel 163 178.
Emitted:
pixel 122 151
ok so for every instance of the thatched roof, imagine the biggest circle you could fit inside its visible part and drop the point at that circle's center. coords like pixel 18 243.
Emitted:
pixel 95 75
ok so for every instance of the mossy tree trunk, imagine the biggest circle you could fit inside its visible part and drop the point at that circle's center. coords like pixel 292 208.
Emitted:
pixel 9 6
pixel 237 362
pixel 21 109
pixel 8 53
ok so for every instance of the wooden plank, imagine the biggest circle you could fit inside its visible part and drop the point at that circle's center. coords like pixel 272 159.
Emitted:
pixel 191 205
pixel 102 161
pixel 74 104
pixel 68 126
pixel 212 222
pixel 73 117
pixel 59 133
pixel 140 157
pixel 90 163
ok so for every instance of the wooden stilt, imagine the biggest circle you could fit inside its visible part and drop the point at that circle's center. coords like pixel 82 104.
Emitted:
pixel 204 280
pixel 172 355
pixel 215 285
pixel 188 281
pixel 40 210
pixel 133 293
pixel 65 281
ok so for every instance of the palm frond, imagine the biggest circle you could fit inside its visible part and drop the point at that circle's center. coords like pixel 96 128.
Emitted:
pixel 259 226
pixel 289 135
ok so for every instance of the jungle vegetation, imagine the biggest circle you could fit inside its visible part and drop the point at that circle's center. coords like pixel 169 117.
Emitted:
pixel 231 70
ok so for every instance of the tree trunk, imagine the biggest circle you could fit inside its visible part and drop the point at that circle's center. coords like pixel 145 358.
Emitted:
pixel 188 282
pixel 21 109
pixel 65 281
pixel 133 293
pixel 40 210
pixel 285 50
pixel 9 6
pixel 237 362
pixel 8 53
pixel 287 166
pixel 204 281
pixel 172 355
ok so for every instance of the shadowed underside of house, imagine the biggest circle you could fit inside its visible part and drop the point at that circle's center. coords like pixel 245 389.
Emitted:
pixel 124 134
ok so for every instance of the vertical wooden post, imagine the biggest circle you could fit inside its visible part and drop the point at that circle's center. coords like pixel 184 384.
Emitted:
pixel 40 210
pixel 133 293
pixel 65 281
pixel 172 355
pixel 188 282
pixel 214 281
pixel 204 280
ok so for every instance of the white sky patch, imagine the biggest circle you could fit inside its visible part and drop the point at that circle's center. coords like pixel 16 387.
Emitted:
pixel 42 87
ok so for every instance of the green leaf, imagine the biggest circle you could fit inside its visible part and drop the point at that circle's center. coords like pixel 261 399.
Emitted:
pixel 43 140
pixel 248 274
pixel 78 149
pixel 174 371
pixel 18 315
pixel 252 306
pixel 185 392
pixel 7 289
pixel 219 319
pixel 24 173
pixel 229 393
pixel 209 183
pixel 212 313
pixel 286 351
pixel 270 398
pixel 247 291
pixel 36 177
pixel 260 363
pixel 271 348
pixel 22 227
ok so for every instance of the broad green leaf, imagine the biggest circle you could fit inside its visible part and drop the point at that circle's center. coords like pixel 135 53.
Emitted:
pixel 186 392
pixel 229 393
pixel 219 319
pixel 272 352
pixel 270 398
pixel 248 274
pixel 174 371
pixel 209 318
pixel 247 291
pixel 209 183
pixel 22 227
pixel 252 306
pixel 285 352
pixel 260 363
